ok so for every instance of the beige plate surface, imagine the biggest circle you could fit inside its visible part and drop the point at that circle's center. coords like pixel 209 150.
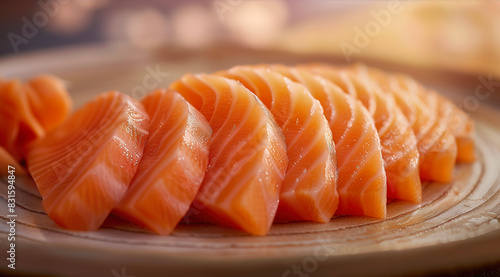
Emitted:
pixel 455 227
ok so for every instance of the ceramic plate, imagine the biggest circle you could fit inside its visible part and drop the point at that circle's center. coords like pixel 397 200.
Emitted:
pixel 456 226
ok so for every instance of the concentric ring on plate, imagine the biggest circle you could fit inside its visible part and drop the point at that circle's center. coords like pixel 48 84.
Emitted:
pixel 465 208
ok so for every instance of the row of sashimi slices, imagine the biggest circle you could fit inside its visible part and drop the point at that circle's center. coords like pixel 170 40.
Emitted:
pixel 241 148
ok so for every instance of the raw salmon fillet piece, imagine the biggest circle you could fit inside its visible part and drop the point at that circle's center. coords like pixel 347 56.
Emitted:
pixel 173 164
pixel 247 160
pixel 436 140
pixel 362 180
pixel 28 111
pixel 83 167
pixel 398 142
pixel 309 190
pixel 458 122
pixel 18 125
pixel 447 113
pixel 7 160
pixel 436 143
pixel 49 100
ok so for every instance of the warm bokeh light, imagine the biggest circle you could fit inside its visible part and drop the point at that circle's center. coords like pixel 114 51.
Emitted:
pixel 74 16
pixel 257 23
pixel 460 36
pixel 147 28
pixel 194 25
pixel 143 28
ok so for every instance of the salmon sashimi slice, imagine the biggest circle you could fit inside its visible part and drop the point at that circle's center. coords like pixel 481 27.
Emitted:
pixel 309 190
pixel 84 166
pixel 466 147
pixel 437 140
pixel 398 142
pixel 399 145
pixel 458 122
pixel 49 100
pixel 247 160
pixel 436 143
pixel 18 125
pixel 8 162
pixel 173 164
pixel 28 110
pixel 464 130
pixel 362 183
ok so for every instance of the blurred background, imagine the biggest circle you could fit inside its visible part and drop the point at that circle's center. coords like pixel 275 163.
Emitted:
pixel 461 36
